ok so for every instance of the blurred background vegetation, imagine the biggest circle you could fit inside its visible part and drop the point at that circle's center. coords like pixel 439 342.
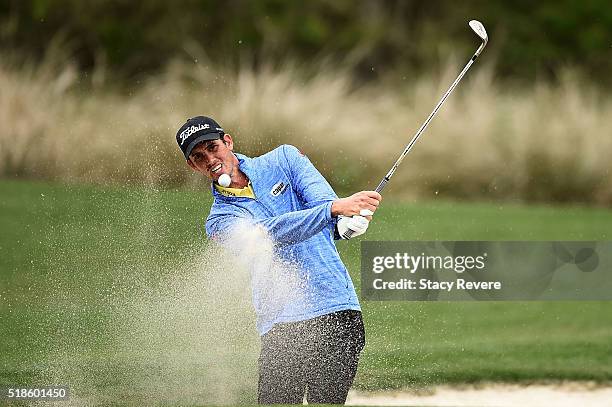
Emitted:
pixel 532 40
pixel 90 89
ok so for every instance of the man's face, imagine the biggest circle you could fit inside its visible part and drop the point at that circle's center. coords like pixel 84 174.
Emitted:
pixel 214 157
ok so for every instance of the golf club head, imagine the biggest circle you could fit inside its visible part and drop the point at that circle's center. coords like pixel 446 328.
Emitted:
pixel 479 30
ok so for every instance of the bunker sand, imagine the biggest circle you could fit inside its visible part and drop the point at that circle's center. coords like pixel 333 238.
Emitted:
pixel 493 395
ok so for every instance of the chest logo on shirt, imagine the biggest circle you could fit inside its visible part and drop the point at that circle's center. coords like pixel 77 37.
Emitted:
pixel 278 188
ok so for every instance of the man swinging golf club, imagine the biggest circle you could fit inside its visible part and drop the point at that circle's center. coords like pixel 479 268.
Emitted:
pixel 310 347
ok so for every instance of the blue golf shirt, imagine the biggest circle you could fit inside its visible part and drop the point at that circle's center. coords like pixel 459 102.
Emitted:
pixel 293 204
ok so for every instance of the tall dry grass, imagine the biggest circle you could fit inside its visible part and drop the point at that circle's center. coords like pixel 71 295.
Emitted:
pixel 542 143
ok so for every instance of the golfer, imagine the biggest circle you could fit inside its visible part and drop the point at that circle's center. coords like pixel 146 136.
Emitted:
pixel 311 345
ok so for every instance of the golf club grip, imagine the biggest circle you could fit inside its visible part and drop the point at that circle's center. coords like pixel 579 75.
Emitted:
pixel 348 234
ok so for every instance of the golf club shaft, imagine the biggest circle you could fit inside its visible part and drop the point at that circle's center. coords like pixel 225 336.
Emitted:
pixel 387 177
pixel 349 233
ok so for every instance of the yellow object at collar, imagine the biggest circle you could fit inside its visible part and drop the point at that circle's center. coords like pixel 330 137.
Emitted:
pixel 246 192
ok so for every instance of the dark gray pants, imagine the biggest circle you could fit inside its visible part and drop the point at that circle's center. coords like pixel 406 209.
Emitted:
pixel 317 357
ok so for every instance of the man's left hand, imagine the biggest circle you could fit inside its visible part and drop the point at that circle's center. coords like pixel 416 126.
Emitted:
pixel 357 224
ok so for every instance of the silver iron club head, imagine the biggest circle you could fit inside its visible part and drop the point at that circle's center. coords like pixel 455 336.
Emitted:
pixel 479 30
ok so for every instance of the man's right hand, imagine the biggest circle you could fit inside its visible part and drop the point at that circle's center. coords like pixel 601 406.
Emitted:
pixel 354 204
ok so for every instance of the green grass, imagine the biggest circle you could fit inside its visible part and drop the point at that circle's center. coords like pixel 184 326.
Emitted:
pixel 73 257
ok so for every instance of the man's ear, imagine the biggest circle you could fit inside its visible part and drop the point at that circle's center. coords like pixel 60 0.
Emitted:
pixel 228 141
pixel 192 165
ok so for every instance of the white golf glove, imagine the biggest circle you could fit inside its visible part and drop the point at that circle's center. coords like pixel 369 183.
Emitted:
pixel 357 224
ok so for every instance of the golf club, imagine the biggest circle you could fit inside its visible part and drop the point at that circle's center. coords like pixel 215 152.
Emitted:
pixel 479 29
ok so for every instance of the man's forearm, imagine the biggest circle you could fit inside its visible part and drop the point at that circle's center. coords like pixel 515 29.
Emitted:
pixel 297 226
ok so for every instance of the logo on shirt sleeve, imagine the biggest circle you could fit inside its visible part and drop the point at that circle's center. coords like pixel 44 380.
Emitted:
pixel 278 188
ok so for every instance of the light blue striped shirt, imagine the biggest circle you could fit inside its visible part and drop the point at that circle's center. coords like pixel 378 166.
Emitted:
pixel 293 204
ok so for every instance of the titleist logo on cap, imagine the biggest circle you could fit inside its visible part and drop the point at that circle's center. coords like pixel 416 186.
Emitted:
pixel 193 129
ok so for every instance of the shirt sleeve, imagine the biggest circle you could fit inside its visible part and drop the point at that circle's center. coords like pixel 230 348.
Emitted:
pixel 288 228
pixel 312 188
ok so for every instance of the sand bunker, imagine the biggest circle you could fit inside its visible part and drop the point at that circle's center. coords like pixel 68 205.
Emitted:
pixel 498 395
